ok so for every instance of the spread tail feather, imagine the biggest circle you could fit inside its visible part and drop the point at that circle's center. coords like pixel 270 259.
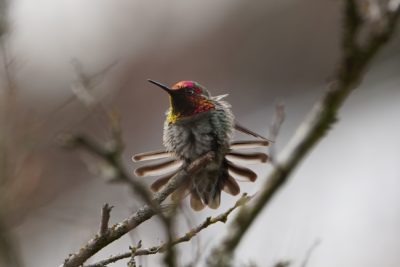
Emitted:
pixel 248 157
pixel 225 182
pixel 231 186
pixel 195 201
pixel 242 171
pixel 151 155
pixel 215 200
pixel 178 194
pixel 249 144
pixel 160 182
pixel 156 169
pixel 181 192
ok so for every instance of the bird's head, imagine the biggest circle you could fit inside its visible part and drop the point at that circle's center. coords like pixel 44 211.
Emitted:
pixel 187 98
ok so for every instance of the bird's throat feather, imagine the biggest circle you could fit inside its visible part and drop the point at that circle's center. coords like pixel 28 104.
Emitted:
pixel 182 108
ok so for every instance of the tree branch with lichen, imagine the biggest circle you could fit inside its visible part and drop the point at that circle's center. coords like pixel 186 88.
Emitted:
pixel 223 217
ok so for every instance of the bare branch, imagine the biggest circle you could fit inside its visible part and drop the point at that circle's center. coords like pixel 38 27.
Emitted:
pixel 105 218
pixel 223 217
pixel 279 117
pixel 143 214
pixel 91 81
pixel 354 61
pixel 111 154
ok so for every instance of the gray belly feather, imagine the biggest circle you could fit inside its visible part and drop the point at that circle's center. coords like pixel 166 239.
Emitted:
pixel 189 138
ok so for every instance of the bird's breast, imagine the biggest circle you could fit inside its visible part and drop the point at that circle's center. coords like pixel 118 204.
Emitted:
pixel 193 137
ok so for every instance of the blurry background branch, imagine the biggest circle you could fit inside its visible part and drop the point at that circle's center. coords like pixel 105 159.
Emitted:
pixel 111 156
pixel 112 152
pixel 9 255
pixel 353 63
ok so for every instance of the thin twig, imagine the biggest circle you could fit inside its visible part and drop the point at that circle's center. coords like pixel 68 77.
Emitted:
pixel 132 261
pixel 223 217
pixel 354 61
pixel 105 218
pixel 310 252
pixel 279 117
pixel 112 154
pixel 92 79
pixel 141 215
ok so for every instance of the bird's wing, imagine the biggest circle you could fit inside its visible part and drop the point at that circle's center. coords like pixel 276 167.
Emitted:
pixel 245 130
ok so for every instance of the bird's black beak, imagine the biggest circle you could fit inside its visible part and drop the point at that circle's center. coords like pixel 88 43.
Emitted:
pixel 164 87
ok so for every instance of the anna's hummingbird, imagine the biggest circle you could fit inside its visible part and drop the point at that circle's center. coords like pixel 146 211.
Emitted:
pixel 195 124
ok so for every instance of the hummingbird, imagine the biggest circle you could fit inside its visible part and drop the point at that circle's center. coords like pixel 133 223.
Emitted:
pixel 197 123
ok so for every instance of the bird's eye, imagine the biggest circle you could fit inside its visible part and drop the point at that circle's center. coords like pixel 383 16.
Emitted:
pixel 190 91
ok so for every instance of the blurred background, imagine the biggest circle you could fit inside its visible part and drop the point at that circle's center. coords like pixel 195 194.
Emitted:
pixel 346 194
